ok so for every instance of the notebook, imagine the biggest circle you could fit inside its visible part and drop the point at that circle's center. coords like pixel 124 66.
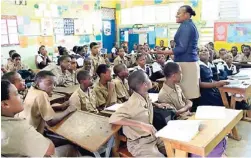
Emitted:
pixel 182 130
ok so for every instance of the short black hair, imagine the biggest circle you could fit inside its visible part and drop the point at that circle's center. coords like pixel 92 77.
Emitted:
pixel 93 44
pixel 82 75
pixel 248 46
pixel 62 58
pixel 85 46
pixel 139 55
pixel 15 55
pixel 11 51
pixel 189 10
pixel 5 90
pixel 136 79
pixel 170 69
pixel 102 68
pixel 74 49
pixel 79 49
pixel 72 56
pixel 222 49
pixel 118 68
pixel 9 76
pixel 63 51
pixel 42 74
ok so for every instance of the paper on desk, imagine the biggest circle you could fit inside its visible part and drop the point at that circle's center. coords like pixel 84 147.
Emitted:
pixel 153 97
pixel 182 130
pixel 113 107
pixel 210 112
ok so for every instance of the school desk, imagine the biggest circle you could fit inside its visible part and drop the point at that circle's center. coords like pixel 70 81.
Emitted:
pixel 68 91
pixel 89 131
pixel 242 65
pixel 57 98
pixel 212 132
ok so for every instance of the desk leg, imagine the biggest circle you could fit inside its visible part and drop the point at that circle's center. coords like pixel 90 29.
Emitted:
pixel 234 134
pixel 180 153
pixel 233 102
pixel 116 146
pixel 224 98
pixel 169 149
pixel 247 115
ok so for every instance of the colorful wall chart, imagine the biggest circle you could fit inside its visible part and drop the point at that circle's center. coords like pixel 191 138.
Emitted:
pixel 239 32
pixel 68 26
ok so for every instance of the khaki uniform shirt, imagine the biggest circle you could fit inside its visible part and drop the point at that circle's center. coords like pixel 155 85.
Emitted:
pixel 62 79
pixel 95 62
pixel 136 108
pixel 122 88
pixel 174 97
pixel 21 139
pixel 245 58
pixel 86 101
pixel 102 94
pixel 119 60
pixel 10 66
pixel 37 109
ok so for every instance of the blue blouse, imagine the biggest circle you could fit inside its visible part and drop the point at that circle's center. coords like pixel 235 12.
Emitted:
pixel 186 39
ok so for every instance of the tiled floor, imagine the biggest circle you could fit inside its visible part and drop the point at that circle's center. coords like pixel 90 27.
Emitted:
pixel 241 148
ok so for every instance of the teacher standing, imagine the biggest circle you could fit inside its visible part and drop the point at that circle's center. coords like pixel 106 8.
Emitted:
pixel 185 52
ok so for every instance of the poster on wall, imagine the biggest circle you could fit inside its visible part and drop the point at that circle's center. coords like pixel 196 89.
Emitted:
pixel 79 27
pixel 239 32
pixel 68 26
pixel 107 28
pixel 46 27
pixel 58 25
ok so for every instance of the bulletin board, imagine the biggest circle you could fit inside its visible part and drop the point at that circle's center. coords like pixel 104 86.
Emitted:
pixel 9 31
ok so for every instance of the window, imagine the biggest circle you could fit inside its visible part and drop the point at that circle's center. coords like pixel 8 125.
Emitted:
pixel 210 10
pixel 228 9
pixel 244 8
pixel 173 8
pixel 137 15
pixel 162 14
pixel 149 14
pixel 9 33
pixel 126 16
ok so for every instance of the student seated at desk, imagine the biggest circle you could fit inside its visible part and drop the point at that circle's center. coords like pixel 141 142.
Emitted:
pixel 246 56
pixel 104 88
pixel 16 64
pixel 236 55
pixel 18 137
pixel 121 59
pixel 171 93
pixel 136 117
pixel 229 67
pixel 61 71
pixel 157 67
pixel 42 59
pixel 141 62
pixel 121 83
pixel 84 98
pixel 16 79
pixel 37 107
pixel 9 61
pixel 210 94
pixel 95 57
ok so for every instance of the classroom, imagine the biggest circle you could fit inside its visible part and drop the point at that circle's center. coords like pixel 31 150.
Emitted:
pixel 125 78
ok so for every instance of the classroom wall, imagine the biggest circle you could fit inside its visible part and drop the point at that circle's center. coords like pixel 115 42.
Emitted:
pixel 29 44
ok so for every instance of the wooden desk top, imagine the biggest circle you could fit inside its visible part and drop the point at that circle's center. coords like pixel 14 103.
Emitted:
pixel 213 131
pixel 66 90
pixel 56 96
pixel 87 130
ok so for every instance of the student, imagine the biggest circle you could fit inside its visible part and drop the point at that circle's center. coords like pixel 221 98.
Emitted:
pixel 157 67
pixel 11 52
pixel 229 68
pixel 37 107
pixel 242 48
pixel 16 79
pixel 84 98
pixel 121 83
pixel 42 59
pixel 105 89
pixel 18 137
pixel 85 49
pixel 210 94
pixel 63 51
pixel 74 50
pixel 141 62
pixel 171 93
pixel 161 44
pixel 246 57
pixel 96 59
pixel 16 64
pixel 121 59
pixel 219 63
pixel 135 48
pixel 136 117
pixel 172 45
pixel 236 55
pixel 61 71
pixel 115 48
